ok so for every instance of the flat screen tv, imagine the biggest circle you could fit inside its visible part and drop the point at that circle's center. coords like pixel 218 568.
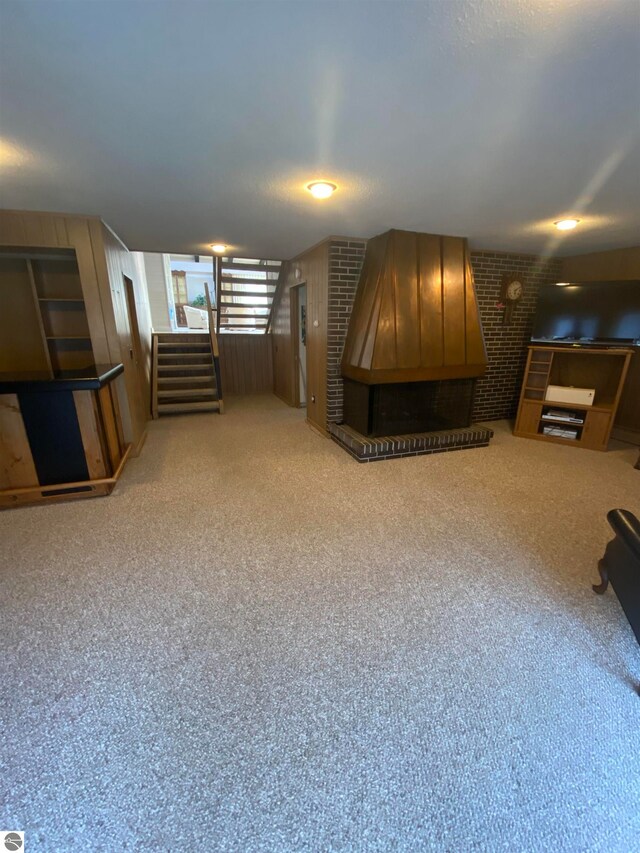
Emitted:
pixel 589 312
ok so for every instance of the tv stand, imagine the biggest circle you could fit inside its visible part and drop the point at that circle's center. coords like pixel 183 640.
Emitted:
pixel 572 366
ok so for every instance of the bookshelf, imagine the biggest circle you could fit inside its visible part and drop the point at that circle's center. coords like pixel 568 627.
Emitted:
pixel 51 314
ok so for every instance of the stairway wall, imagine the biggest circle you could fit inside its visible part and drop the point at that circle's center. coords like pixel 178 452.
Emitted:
pixel 246 364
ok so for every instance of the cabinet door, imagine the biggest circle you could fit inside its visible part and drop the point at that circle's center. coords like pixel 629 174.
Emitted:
pixel 595 434
pixel 528 417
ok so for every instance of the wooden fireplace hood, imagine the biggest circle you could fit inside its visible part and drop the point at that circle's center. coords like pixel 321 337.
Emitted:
pixel 415 316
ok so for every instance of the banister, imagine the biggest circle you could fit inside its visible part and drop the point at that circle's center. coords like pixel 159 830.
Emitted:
pixel 215 352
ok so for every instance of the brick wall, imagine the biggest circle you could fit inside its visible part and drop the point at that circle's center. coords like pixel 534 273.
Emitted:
pixel 345 262
pixel 498 391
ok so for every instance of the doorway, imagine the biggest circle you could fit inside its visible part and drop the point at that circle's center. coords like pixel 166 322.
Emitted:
pixel 299 336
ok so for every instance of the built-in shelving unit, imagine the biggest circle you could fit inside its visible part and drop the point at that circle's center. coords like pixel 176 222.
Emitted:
pixel 54 317
pixel 573 424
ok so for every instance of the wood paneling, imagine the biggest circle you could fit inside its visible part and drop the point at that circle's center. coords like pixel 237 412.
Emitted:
pixel 113 263
pixel 246 364
pixel 111 433
pixel 88 421
pixel 406 287
pixel 16 462
pixel 431 340
pixel 415 315
pixel 616 265
pixel 313 267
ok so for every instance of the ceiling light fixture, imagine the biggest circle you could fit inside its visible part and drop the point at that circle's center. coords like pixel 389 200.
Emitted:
pixel 218 248
pixel 322 189
pixel 566 224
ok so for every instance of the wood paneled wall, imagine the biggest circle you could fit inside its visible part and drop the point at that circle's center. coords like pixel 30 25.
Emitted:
pixel 313 271
pixel 115 261
pixel 615 265
pixel 102 262
pixel 246 364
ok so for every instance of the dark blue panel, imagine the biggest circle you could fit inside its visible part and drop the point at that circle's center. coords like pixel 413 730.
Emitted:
pixel 51 423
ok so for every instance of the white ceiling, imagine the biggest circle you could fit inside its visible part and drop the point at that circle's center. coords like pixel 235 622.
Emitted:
pixel 185 122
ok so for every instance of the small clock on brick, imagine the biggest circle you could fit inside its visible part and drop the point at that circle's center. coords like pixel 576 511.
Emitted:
pixel 511 293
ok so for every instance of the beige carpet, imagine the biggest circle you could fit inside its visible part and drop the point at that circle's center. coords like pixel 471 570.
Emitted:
pixel 257 644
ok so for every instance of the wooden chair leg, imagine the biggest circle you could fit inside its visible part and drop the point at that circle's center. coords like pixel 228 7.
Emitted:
pixel 601 588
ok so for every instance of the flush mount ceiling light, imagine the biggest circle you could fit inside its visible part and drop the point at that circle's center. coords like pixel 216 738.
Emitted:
pixel 322 189
pixel 218 248
pixel 566 224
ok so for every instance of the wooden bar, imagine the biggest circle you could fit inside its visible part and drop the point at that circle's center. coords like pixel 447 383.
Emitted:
pixel 61 436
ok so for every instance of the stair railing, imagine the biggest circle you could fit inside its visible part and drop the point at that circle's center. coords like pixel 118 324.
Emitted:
pixel 215 352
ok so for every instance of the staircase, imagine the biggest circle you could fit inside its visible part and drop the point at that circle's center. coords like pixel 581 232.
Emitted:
pixel 247 288
pixel 186 376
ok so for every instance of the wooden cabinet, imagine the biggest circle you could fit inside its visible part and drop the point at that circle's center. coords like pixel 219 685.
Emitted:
pixel 584 426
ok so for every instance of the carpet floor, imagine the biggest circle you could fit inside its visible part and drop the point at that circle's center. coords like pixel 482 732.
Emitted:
pixel 257 644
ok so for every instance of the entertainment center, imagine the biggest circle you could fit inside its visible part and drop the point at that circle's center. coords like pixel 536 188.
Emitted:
pixel 601 370
pixel 584 337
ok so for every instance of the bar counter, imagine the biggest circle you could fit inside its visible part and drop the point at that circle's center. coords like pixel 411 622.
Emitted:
pixel 61 435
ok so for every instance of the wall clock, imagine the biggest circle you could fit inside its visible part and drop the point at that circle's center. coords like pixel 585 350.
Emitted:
pixel 511 293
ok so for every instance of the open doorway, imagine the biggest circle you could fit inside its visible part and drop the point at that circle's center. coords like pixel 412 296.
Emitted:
pixel 299 336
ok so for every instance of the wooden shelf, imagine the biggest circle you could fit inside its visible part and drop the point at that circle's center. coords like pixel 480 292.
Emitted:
pixel 68 338
pixel 600 407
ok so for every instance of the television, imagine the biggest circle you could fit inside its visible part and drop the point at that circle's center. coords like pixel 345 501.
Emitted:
pixel 588 312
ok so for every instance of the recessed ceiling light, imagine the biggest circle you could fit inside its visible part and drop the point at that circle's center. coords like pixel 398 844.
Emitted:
pixel 218 248
pixel 566 224
pixel 321 189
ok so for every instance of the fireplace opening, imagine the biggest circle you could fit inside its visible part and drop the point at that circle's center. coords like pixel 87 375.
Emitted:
pixel 399 408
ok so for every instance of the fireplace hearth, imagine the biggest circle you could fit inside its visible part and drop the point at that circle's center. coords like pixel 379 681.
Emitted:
pixel 400 408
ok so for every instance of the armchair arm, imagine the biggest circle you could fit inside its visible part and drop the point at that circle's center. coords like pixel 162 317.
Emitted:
pixel 627 527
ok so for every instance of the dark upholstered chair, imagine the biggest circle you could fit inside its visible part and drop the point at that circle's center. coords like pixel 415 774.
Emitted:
pixel 621 565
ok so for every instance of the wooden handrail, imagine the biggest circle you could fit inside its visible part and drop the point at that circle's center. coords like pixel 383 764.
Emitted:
pixel 212 321
pixel 214 345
